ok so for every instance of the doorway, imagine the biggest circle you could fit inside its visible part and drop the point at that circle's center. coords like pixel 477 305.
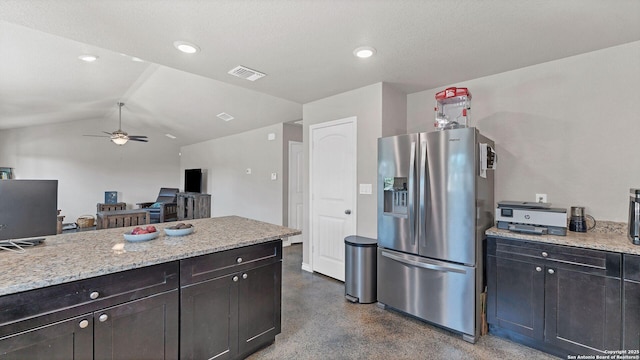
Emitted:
pixel 332 190
pixel 295 188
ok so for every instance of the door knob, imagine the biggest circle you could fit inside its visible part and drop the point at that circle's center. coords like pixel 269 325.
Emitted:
pixel 348 212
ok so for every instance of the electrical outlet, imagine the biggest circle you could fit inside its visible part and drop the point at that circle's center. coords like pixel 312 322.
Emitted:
pixel 541 198
pixel 274 176
pixel 248 171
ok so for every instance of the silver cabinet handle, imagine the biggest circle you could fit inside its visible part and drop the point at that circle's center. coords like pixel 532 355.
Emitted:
pixel 348 212
pixel 94 295
pixel 235 279
pixel 544 254
pixel 551 271
pixel 538 268
pixel 83 324
pixel 244 276
pixel 103 317
pixel 239 260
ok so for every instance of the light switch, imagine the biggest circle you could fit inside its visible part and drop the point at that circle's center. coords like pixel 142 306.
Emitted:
pixel 366 189
pixel 248 171
pixel 271 136
pixel 274 176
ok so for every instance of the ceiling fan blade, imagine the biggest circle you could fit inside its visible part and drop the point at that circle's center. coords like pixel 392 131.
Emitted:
pixel 108 133
pixel 97 136
pixel 141 140
pixel 137 136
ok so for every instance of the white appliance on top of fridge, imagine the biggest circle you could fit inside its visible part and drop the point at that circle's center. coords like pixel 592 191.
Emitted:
pixel 435 201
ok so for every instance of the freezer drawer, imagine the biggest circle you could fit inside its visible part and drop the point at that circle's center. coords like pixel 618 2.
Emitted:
pixel 435 291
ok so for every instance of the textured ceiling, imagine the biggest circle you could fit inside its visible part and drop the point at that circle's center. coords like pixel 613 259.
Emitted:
pixel 305 48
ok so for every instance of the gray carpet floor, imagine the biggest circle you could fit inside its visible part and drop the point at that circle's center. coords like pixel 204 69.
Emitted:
pixel 318 323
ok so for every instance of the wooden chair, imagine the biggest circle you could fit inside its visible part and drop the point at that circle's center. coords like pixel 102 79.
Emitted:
pixel 165 208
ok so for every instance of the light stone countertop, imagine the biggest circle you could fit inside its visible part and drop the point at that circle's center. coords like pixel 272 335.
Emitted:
pixel 81 255
pixel 607 235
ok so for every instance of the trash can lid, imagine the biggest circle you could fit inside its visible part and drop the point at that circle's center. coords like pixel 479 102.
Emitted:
pixel 361 241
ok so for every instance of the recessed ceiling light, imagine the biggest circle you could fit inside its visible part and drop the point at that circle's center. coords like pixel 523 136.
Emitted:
pixel 364 52
pixel 88 58
pixel 186 47
pixel 170 136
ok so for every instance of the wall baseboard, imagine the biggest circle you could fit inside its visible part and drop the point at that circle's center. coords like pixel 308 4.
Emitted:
pixel 307 267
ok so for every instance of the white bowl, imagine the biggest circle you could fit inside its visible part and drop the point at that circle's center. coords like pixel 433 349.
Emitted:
pixel 179 232
pixel 140 237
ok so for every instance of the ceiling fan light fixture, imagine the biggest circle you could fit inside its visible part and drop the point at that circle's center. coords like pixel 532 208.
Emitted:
pixel 186 47
pixel 119 140
pixel 88 58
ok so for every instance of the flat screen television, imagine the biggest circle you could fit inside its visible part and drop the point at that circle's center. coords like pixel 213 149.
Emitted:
pixel 193 180
pixel 28 208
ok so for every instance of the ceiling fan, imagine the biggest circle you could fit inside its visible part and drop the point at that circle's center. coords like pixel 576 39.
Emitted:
pixel 120 137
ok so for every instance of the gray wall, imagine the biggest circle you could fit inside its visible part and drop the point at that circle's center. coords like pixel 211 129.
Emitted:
pixel 568 128
pixel 86 167
pixel 373 105
pixel 233 192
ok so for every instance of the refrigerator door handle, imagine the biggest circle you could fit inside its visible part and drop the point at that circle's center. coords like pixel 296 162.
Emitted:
pixel 422 263
pixel 412 210
pixel 422 193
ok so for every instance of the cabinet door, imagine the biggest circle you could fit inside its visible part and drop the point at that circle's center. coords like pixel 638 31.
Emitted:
pixel 582 311
pixel 631 315
pixel 68 339
pixel 259 307
pixel 209 319
pixel 516 296
pixel 142 329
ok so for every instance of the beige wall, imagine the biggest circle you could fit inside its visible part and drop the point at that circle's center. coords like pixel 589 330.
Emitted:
pixel 233 192
pixel 568 128
pixel 86 167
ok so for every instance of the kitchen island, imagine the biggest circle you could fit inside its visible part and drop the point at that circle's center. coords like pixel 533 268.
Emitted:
pixel 567 295
pixel 94 295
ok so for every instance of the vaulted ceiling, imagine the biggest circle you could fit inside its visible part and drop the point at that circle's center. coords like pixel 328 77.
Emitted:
pixel 305 47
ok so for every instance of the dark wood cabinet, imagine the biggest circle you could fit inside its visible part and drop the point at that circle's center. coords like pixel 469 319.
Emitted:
pixel 141 329
pixel 516 294
pixel 631 309
pixel 126 315
pixel 224 305
pixel 560 299
pixel 63 340
pixel 230 302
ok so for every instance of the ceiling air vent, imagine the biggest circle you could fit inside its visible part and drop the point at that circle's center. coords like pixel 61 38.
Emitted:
pixel 224 116
pixel 246 73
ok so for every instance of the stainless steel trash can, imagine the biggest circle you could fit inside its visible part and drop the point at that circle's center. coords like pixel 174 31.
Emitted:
pixel 360 260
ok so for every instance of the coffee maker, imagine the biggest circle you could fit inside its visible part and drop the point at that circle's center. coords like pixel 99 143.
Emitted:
pixel 634 216
pixel 578 221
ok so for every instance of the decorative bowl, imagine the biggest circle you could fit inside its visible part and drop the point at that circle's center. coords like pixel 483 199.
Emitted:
pixel 179 232
pixel 140 237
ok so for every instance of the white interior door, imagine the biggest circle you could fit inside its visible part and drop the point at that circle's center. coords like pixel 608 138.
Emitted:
pixel 333 193
pixel 296 158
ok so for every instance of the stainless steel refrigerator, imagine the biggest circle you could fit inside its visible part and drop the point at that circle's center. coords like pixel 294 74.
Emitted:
pixel 435 201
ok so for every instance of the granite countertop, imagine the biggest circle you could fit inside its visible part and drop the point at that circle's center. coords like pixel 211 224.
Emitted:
pixel 607 235
pixel 76 256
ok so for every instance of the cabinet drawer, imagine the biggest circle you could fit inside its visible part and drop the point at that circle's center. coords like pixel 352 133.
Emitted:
pixel 219 264
pixel 87 295
pixel 594 261
pixel 632 267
